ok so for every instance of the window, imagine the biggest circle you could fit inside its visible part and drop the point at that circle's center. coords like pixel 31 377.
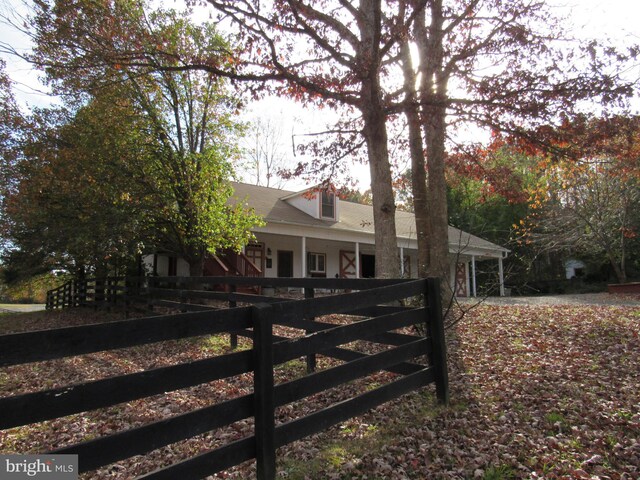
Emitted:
pixel 255 254
pixel 328 204
pixel 316 262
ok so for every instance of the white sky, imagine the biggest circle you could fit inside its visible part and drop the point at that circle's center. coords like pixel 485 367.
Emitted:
pixel 615 19
pixel 618 20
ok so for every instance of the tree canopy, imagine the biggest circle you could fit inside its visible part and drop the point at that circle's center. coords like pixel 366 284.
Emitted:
pixel 428 67
pixel 588 197
pixel 143 158
pixel 11 123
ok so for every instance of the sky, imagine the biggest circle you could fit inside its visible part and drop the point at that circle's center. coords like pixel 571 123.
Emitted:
pixel 618 18
pixel 615 19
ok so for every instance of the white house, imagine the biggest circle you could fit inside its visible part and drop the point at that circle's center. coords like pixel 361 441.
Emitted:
pixel 574 268
pixel 313 233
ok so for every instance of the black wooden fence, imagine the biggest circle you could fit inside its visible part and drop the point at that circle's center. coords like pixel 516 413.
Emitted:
pixel 380 323
pixel 108 291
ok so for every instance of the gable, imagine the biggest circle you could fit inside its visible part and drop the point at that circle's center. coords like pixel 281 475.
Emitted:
pixel 317 202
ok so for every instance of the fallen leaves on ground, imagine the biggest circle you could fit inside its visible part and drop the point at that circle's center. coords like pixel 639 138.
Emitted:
pixel 536 392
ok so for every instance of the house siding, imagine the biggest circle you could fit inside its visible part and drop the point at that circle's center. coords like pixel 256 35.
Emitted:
pixel 162 265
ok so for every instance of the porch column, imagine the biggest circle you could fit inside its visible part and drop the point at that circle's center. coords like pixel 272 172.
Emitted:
pixel 501 276
pixel 473 275
pixel 357 259
pixel 402 262
pixel 303 263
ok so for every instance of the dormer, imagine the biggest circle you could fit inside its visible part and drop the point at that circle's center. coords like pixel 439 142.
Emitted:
pixel 319 202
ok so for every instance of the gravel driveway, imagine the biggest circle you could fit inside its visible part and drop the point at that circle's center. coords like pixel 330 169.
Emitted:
pixel 576 299
pixel 21 307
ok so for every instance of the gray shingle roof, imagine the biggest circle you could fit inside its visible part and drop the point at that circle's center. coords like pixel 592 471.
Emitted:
pixel 269 203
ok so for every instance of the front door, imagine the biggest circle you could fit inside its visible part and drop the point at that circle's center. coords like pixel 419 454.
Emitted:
pixel 367 266
pixel 348 264
pixel 285 264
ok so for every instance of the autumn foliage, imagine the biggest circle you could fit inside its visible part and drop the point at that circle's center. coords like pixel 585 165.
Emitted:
pixel 586 197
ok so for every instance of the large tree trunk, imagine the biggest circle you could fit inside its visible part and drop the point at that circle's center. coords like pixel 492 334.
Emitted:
pixel 196 267
pixel 384 208
pixel 618 268
pixel 437 195
pixel 195 258
pixel 433 98
pixel 418 167
pixel 375 133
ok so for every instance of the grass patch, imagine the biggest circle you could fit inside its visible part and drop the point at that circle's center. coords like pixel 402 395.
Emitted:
pixel 221 344
pixel 215 344
pixel 293 368
pixel 555 418
pixel 342 455
pixel 557 422
pixel 501 472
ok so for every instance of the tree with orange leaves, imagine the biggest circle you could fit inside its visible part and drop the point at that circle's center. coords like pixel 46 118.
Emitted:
pixel 144 154
pixel 588 200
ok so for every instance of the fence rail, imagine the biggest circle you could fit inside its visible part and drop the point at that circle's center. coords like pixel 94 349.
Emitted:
pixel 108 292
pixel 379 324
pixel 122 291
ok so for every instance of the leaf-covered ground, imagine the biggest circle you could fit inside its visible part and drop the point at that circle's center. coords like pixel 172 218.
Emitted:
pixel 537 392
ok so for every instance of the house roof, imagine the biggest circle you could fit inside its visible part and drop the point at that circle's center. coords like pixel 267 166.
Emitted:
pixel 353 217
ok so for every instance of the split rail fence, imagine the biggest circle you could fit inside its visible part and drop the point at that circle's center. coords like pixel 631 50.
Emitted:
pixel 97 292
pixel 418 360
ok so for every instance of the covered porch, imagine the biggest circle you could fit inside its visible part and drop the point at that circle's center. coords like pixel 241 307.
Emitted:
pixel 300 256
pixel 465 273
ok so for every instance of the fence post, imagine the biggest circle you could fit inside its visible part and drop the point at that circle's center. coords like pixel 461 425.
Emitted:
pixel 149 293
pixel 64 295
pixel 76 292
pixel 113 292
pixel 113 287
pixel 263 392
pixel 127 293
pixel 98 293
pixel 233 338
pixel 69 294
pixel 108 295
pixel 435 330
pixel 182 296
pixel 82 292
pixel 309 292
